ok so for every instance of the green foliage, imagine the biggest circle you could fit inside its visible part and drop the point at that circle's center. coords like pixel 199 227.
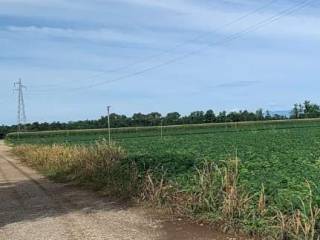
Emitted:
pixel 305 110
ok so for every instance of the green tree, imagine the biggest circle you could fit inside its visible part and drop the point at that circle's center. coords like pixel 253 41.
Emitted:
pixel 222 116
pixel 259 114
pixel 311 110
pixel 209 116
pixel 172 118
pixel 295 113
pixel 197 117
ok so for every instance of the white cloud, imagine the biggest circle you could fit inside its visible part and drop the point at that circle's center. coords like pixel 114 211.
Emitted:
pixel 186 15
pixel 93 35
pixel 194 16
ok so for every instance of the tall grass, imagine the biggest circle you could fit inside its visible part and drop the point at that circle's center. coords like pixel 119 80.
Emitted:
pixel 301 223
pixel 216 195
pixel 101 165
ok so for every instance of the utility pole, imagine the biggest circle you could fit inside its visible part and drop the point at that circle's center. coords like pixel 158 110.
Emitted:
pixel 109 130
pixel 21 115
pixel 161 129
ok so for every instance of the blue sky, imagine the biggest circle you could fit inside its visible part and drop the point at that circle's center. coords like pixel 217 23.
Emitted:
pixel 77 57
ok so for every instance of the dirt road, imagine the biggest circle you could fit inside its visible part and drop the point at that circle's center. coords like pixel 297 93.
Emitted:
pixel 33 208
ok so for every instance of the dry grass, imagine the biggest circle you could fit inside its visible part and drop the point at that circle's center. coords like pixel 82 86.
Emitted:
pixel 301 223
pixel 88 160
pixel 156 190
pixel 261 207
pixel 217 195
pixel 236 200
pixel 102 165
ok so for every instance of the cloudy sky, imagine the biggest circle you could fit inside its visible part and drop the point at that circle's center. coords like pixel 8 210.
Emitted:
pixel 78 56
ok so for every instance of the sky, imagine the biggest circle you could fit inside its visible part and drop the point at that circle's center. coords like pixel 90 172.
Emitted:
pixel 77 56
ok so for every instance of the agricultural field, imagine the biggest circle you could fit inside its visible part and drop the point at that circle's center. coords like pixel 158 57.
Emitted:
pixel 279 156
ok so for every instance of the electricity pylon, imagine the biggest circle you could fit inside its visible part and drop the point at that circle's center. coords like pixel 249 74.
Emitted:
pixel 21 117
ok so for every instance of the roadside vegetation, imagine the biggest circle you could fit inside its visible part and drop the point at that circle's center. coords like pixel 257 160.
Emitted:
pixel 100 165
pixel 261 178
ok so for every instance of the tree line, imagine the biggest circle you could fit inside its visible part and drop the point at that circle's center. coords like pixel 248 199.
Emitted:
pixel 304 110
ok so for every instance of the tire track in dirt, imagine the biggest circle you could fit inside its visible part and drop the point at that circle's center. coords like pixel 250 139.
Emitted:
pixel 66 222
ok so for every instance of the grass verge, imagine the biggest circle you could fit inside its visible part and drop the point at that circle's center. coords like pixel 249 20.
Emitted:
pixel 100 165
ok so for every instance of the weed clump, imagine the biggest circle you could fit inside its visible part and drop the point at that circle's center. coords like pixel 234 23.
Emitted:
pixel 215 194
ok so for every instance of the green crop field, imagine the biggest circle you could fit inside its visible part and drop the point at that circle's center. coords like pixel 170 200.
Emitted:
pixel 281 154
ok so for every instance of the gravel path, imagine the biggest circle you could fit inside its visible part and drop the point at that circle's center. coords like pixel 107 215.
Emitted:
pixel 33 208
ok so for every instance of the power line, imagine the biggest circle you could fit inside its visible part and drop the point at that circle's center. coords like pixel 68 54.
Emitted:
pixel 228 39
pixel 224 41
pixel 177 46
pixel 198 37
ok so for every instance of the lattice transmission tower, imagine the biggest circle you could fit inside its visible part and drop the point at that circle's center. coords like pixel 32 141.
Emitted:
pixel 21 116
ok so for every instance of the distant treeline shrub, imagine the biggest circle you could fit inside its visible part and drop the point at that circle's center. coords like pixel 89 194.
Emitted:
pixel 150 119
pixel 299 111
